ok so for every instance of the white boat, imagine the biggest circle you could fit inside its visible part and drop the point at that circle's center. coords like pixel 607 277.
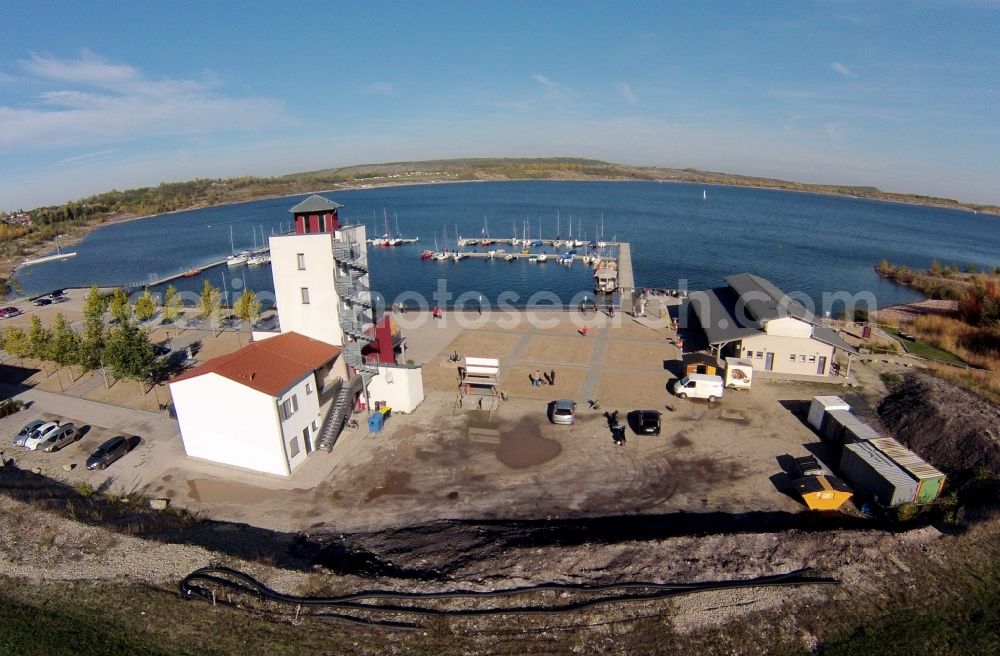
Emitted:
pixel 704 195
pixel 510 257
pixel 490 255
pixel 459 256
pixel 542 258
pixel 499 251
pixel 259 260
pixel 586 259
pixel 236 259
pixel 440 256
pixel 533 258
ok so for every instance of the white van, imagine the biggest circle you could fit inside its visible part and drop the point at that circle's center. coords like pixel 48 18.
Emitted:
pixel 699 386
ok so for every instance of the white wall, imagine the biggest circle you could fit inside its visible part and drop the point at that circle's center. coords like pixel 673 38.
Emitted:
pixel 783 348
pixel 229 423
pixel 788 327
pixel 319 318
pixel 401 387
pixel 307 416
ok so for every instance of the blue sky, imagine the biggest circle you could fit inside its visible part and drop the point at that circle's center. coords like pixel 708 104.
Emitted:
pixel 95 96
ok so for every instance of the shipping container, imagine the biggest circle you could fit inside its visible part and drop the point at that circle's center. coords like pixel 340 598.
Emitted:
pixel 834 425
pixel 930 480
pixel 860 432
pixel 822 491
pixel 819 406
pixel 869 470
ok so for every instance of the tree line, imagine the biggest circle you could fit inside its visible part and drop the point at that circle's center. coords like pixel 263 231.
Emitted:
pixel 124 347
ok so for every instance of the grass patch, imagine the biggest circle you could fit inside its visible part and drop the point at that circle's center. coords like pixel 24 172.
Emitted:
pixel 46 631
pixel 925 350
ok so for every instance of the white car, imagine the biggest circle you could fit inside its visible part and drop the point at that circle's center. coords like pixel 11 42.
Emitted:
pixel 42 433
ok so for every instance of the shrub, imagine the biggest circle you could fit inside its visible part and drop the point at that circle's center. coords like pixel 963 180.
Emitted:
pixel 85 490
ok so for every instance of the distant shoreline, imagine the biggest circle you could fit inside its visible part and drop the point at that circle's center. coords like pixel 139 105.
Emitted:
pixel 10 267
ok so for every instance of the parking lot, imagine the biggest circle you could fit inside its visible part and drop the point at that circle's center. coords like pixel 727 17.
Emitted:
pixel 442 462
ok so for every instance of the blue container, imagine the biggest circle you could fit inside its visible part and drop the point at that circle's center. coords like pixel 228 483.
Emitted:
pixel 375 422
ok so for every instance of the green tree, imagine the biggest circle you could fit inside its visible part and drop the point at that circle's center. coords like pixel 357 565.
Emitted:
pixel 15 342
pixel 64 344
pixel 130 354
pixel 211 303
pixel 172 304
pixel 145 306
pixel 94 306
pixel 119 306
pixel 247 307
pixel 38 339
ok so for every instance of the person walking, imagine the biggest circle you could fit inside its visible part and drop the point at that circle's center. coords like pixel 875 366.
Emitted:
pixel 552 377
pixel 538 378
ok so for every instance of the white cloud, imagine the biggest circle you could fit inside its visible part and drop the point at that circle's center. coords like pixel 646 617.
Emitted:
pixel 625 89
pixel 90 101
pixel 380 89
pixel 842 69
pixel 550 85
pixel 87 156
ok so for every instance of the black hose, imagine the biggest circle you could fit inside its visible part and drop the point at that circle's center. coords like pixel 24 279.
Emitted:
pixel 193 587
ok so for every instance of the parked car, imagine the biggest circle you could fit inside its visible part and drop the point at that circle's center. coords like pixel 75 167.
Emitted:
pixel 41 434
pixel 562 411
pixel 26 431
pixel 108 452
pixel 67 434
pixel 58 298
pixel 8 312
pixel 645 422
pixel 43 301
pixel 699 386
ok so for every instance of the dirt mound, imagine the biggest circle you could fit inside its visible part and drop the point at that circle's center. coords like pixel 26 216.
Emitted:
pixel 949 427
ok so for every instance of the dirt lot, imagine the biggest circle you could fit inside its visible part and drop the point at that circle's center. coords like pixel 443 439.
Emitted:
pixel 443 463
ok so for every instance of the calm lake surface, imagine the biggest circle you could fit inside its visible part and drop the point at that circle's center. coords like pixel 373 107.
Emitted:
pixel 804 243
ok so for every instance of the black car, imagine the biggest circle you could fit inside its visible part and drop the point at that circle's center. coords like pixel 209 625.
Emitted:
pixel 645 422
pixel 108 452
pixel 43 301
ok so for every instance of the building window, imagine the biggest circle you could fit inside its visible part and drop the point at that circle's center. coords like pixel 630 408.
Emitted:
pixel 293 447
pixel 792 357
pixel 812 358
pixel 802 358
pixel 302 261
pixel 295 403
pixel 309 388
pixel 760 354
pixel 286 409
pixel 315 427
pixel 749 353
pixel 305 296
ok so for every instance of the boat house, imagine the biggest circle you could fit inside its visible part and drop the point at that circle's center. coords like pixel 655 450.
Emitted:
pixel 752 319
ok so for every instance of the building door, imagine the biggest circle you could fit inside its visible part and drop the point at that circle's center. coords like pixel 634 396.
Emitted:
pixel 769 362
pixel 821 367
pixel 305 439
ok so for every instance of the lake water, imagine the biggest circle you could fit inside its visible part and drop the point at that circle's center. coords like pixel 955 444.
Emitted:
pixel 805 243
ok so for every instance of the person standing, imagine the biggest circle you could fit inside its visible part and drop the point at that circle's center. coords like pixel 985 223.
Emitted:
pixel 552 377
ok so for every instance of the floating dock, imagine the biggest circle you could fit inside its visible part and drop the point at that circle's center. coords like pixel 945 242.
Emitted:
pixel 47 258
pixel 153 282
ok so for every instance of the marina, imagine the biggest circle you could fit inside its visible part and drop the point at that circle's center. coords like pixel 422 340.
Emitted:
pixel 660 235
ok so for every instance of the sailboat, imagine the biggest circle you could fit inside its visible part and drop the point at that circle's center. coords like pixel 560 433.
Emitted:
pixel 260 257
pixel 704 195
pixel 236 259
pixel 486 234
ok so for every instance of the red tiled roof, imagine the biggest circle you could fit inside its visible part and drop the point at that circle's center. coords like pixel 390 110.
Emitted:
pixel 270 366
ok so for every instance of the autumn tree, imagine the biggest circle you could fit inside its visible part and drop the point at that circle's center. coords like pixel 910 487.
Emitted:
pixel 145 306
pixel 64 343
pixel 39 338
pixel 247 307
pixel 172 304
pixel 15 342
pixel 119 306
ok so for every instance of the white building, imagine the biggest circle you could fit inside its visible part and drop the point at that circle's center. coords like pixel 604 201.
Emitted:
pixel 259 407
pixel 752 319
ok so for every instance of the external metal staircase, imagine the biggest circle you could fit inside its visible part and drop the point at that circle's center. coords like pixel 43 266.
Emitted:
pixel 340 410
pixel 354 315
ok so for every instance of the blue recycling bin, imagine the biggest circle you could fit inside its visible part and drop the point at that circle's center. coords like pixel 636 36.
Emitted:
pixel 375 422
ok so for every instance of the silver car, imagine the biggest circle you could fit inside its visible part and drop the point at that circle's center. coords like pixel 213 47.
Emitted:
pixel 562 411
pixel 42 433
pixel 67 434
pixel 26 431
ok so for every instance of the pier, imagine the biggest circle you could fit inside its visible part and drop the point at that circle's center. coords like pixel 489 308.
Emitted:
pixel 626 283
pixel 153 282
